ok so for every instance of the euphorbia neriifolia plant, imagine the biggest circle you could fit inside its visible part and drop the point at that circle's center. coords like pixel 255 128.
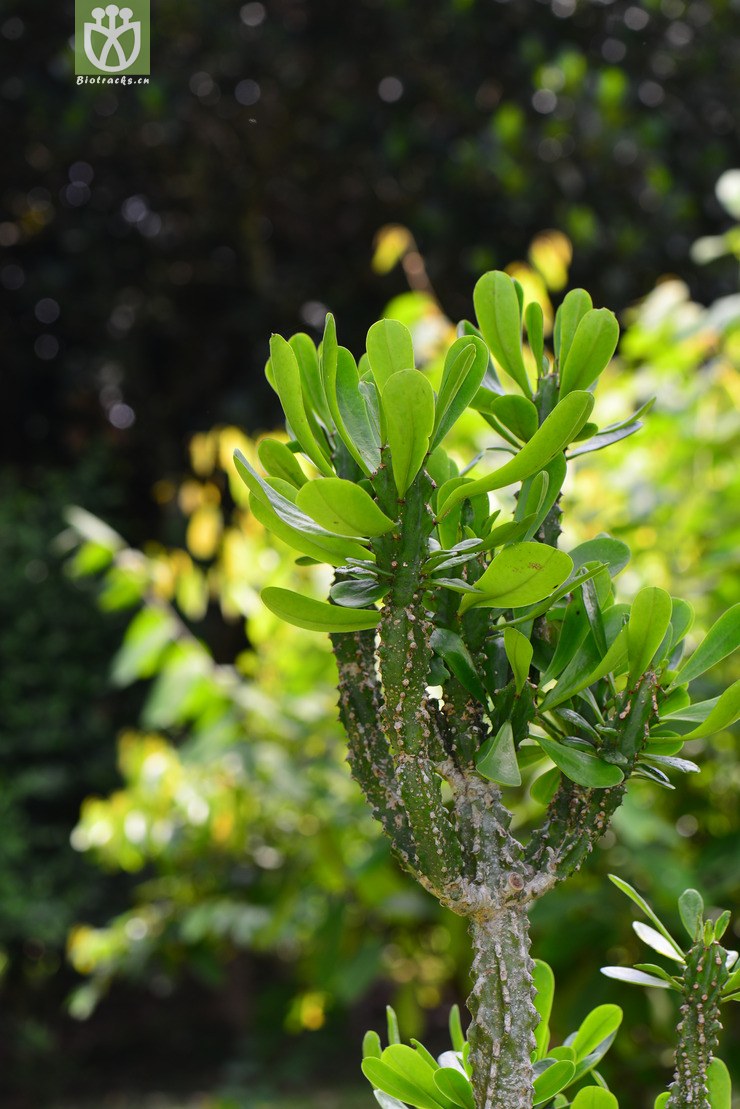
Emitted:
pixel 469 646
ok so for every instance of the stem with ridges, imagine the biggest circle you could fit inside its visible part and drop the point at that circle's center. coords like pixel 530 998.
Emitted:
pixel 502 1004
pixel 704 977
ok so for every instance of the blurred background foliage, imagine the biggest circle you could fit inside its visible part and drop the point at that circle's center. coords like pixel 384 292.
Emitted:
pixel 187 832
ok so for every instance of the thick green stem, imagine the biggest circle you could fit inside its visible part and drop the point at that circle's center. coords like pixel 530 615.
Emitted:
pixel 405 656
pixel 704 977
pixel 504 1017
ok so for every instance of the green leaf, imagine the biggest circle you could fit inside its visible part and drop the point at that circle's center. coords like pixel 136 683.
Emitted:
pixel 551 1081
pixel 544 787
pixel 287 376
pixel 565 421
pixel 499 318
pixel 612 552
pixel 371 1048
pixel 580 766
pixel 496 759
pixel 682 619
pixel 520 575
pixel 394 1035
pixel 662 1100
pixel 534 322
pixel 721 640
pixel 591 351
pixel 317 616
pixel 573 631
pixel 306 354
pixel 397 1085
pixel 654 939
pixel 691 911
pixel 358 593
pixel 516 413
pixel 357 423
pixel 390 348
pixel 544 983
pixel 650 617
pixel 408 406
pixel 425 1055
pixel 452 649
pixel 725 712
pixel 414 1068
pixel 635 977
pixel 641 903
pixel 719 1085
pixel 279 461
pixel 329 367
pixel 465 366
pixel 455 1086
pixel 148 635
pixel 457 1037
pixel 335 552
pixel 519 653
pixel 342 506
pixel 593 1097
pixel 575 305
pixel 579 675
pixel 601 1022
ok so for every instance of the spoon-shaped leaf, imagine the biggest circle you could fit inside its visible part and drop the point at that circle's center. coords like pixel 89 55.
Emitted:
pixel 593 345
pixel 565 421
pixel 519 652
pixel 581 767
pixel 575 305
pixel 342 506
pixel 497 760
pixel 593 1097
pixel 465 367
pixel 408 407
pixel 317 616
pixel 553 1080
pixel 650 617
pixel 725 712
pixel 390 348
pixel 519 575
pixel 499 317
pixel 287 376
pixel 721 640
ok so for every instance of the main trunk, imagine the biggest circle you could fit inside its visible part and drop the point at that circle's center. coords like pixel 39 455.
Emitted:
pixel 504 1017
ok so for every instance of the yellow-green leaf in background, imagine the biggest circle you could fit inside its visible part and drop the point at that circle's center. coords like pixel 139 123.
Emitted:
pixel 519 653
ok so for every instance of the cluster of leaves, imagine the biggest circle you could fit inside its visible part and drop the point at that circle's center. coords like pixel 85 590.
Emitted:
pixel 404 1075
pixel 383 414
pixel 410 1075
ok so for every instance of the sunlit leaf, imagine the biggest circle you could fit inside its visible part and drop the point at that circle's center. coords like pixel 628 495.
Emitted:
pixel 721 640
pixel 408 406
pixel 287 376
pixel 650 617
pixel 342 506
pixel 725 712
pixel 516 413
pixel 390 348
pixel 565 421
pixel 593 1097
pixel 544 983
pixel 519 653
pixel 719 1085
pixel 551 1081
pixel 635 977
pixel 521 574
pixel 654 939
pixel 576 304
pixel 591 350
pixel 465 365
pixel 498 312
pixel 641 903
